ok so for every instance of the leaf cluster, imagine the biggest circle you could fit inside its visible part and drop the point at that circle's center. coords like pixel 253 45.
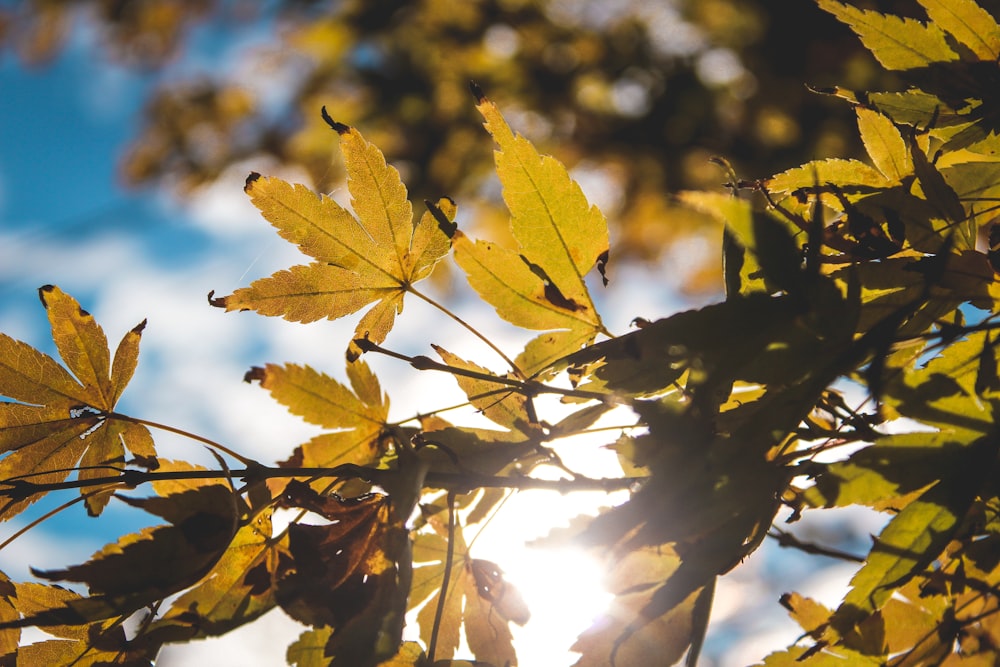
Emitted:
pixel 613 92
pixel 876 275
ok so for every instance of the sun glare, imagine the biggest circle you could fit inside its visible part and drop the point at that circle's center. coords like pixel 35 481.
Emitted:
pixel 562 588
pixel 562 584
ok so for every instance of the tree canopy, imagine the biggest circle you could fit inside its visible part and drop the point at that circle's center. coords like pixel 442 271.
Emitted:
pixel 874 273
pixel 639 96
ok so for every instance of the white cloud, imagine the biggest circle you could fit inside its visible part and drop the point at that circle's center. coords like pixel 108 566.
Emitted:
pixel 263 642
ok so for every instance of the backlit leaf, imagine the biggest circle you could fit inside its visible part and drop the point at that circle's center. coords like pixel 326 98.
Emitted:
pixel 801 656
pixel 882 474
pixel 410 655
pixel 429 556
pixel 150 565
pixel 9 637
pixel 915 536
pixel 911 617
pixel 560 238
pixel 811 616
pixel 898 43
pixel 967 22
pixel 942 392
pixel 884 144
pixel 519 295
pixel 61 420
pixel 478 599
pixel 650 359
pixel 498 402
pixel 483 451
pixel 486 631
pixel 372 255
pixel 556 228
pixel 236 591
pixel 352 574
pixel 737 216
pixel 356 418
pixel 97 644
pixel 823 172
pixel 309 650
pixel 659 640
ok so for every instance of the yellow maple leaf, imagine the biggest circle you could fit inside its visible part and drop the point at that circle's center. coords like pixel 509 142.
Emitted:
pixel 494 400
pixel 64 417
pixel 145 567
pixel 371 256
pixel 355 415
pixel 561 237
pixel 236 591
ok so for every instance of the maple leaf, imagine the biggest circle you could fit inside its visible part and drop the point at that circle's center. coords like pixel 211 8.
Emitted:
pixel 494 400
pixel 560 237
pixel 660 640
pixel 374 257
pixel 967 22
pixel 237 590
pixel 429 558
pixel 917 534
pixel 897 43
pixel 309 650
pixel 355 415
pixel 65 417
pixel 9 637
pixel 352 574
pixel 486 630
pixel 99 643
pixel 478 600
pixel 148 566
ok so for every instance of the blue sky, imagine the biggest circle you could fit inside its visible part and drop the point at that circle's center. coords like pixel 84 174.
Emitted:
pixel 130 255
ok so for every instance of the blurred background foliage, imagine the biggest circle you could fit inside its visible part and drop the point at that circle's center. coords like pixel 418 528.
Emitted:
pixel 633 95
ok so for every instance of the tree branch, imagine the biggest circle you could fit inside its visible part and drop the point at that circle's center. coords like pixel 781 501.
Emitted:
pixel 526 387
pixel 458 482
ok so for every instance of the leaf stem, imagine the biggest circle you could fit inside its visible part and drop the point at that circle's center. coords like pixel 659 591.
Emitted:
pixel 449 559
pixel 526 387
pixel 187 434
pixel 429 413
pixel 475 332
pixel 45 517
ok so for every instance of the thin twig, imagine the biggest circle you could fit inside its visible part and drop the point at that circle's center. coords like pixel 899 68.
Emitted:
pixel 475 332
pixel 786 539
pixel 187 434
pixel 526 387
pixel 44 517
pixel 449 559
